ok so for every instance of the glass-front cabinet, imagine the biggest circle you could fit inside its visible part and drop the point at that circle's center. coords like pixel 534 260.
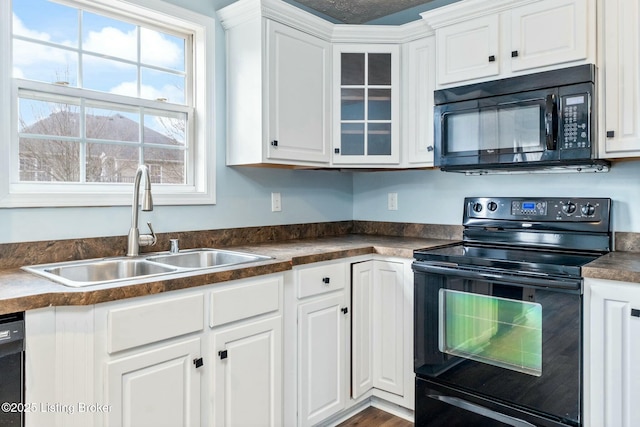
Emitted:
pixel 366 121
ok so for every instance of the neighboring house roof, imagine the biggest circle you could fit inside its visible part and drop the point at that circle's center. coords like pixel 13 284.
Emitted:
pixel 113 128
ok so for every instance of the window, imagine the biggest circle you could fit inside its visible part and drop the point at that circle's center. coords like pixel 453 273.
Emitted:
pixel 97 88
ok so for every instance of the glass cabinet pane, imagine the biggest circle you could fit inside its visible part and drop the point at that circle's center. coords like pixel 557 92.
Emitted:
pixel 352 136
pixel 352 104
pixel 352 68
pixel 380 69
pixel 379 139
pixel 379 104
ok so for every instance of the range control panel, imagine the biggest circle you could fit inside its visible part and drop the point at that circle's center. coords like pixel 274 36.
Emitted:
pixel 570 209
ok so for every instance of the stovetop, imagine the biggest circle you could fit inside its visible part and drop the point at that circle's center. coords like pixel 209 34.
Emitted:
pixel 538 234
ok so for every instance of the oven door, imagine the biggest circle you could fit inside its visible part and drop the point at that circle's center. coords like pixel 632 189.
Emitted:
pixel 512 341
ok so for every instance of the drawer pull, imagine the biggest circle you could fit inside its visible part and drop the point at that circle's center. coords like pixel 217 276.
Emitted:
pixel 344 310
pixel 326 280
pixel 635 312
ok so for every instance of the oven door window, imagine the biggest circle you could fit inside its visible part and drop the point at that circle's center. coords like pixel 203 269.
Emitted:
pixel 493 330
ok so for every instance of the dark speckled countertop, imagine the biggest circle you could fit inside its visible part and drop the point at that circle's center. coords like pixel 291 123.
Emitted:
pixel 621 266
pixel 20 290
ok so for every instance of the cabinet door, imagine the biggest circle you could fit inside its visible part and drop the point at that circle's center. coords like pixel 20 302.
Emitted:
pixel 548 32
pixel 417 103
pixel 377 327
pixel 322 382
pixel 159 387
pixel 299 93
pixel 247 374
pixel 367 117
pixel 614 336
pixel 388 317
pixel 621 71
pixel 468 50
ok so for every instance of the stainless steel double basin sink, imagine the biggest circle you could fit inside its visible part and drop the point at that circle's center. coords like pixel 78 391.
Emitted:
pixel 108 270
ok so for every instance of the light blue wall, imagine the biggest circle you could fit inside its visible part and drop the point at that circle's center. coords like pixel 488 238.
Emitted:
pixel 243 194
pixel 432 196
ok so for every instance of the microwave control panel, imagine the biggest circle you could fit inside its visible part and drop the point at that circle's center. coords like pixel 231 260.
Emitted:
pixel 574 131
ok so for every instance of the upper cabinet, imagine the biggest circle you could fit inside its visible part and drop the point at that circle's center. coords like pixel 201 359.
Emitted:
pixel 619 78
pixel 367 101
pixel 278 89
pixel 477 41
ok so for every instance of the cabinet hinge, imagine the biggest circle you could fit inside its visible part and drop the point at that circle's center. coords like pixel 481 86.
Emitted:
pixel 222 354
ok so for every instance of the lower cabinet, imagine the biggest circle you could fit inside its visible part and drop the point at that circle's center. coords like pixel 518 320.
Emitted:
pixel 159 387
pixel 247 374
pixel 612 343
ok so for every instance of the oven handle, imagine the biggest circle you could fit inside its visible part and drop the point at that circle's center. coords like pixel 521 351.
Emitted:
pixel 497 277
pixel 480 410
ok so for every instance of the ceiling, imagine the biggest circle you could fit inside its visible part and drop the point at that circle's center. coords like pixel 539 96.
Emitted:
pixel 362 11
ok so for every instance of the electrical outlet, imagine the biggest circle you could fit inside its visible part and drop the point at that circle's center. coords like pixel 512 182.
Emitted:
pixel 392 201
pixel 276 202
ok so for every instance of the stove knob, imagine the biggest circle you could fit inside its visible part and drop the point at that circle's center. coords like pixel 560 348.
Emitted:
pixel 492 206
pixel 569 208
pixel 588 209
pixel 477 207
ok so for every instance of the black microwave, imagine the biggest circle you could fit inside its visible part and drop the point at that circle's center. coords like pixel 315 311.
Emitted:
pixel 538 121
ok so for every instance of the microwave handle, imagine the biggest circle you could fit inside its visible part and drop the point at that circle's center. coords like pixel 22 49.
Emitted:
pixel 551 121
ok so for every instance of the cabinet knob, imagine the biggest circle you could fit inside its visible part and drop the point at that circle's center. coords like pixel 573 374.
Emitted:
pixel 222 354
pixel 344 310
pixel 336 150
pixel 274 143
pixel 611 133
pixel 635 312
pixel 430 148
pixel 326 280
pixel 492 58
pixel 514 53
pixel 198 362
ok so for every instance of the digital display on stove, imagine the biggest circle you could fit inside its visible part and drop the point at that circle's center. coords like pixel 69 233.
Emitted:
pixel 528 205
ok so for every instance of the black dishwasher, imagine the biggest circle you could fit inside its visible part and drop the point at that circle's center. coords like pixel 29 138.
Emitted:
pixel 12 370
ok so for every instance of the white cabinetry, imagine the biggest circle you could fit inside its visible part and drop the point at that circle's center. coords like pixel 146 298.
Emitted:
pixel 321 336
pixel 419 80
pixel 612 343
pixel 278 89
pixel 619 78
pixel 366 104
pixel 378 303
pixel 478 41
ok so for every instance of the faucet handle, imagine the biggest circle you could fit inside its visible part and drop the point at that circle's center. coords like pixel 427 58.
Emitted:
pixel 174 249
pixel 148 239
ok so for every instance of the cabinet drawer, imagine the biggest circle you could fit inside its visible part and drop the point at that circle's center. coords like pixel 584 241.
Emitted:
pixel 241 301
pixel 320 279
pixel 150 322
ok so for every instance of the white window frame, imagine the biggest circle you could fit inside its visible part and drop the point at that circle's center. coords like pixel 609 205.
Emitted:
pixel 200 191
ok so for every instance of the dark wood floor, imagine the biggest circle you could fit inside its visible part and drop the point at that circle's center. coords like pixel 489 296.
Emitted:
pixel 374 417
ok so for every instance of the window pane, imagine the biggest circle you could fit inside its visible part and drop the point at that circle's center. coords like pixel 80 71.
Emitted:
pixel 109 37
pixel 379 104
pixel 379 68
pixel 112 124
pixel 352 140
pixel 162 50
pixel 61 30
pixel 162 86
pixel 352 68
pixel 166 166
pixel 48 118
pixel 44 63
pixel 352 104
pixel 111 162
pixel 169 129
pixel 50 160
pixel 107 75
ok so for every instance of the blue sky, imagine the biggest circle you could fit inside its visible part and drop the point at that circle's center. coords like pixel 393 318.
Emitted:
pixel 108 39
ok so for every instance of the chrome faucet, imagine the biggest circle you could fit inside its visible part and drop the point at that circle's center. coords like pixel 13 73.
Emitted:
pixel 135 239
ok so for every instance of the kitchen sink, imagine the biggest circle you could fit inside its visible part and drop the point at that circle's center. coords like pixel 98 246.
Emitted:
pixel 93 272
pixel 206 258
pixel 108 270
